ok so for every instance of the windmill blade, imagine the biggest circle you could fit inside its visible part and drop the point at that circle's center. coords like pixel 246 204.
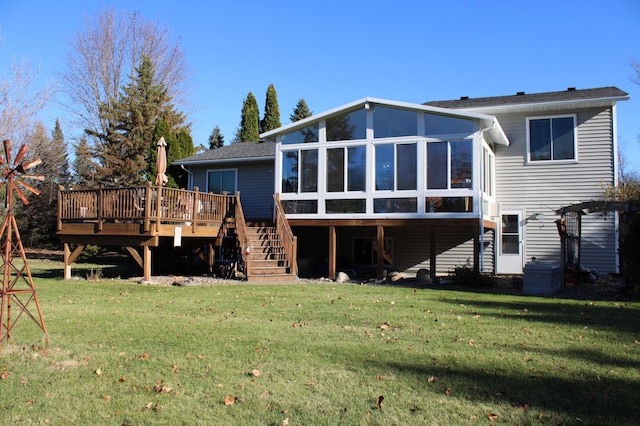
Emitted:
pixel 27 186
pixel 7 149
pixel 34 177
pixel 23 150
pixel 20 194
pixel 28 165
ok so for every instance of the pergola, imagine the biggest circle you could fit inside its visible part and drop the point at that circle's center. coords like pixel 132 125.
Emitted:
pixel 570 229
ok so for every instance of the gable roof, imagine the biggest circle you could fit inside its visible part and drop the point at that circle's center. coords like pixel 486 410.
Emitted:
pixel 585 97
pixel 488 122
pixel 239 151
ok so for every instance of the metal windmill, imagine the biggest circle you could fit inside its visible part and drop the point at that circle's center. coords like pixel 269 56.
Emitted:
pixel 17 284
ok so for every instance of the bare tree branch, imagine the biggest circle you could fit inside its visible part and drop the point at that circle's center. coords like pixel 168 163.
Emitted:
pixel 103 57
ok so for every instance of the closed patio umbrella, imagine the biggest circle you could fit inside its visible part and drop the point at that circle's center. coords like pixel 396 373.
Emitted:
pixel 161 163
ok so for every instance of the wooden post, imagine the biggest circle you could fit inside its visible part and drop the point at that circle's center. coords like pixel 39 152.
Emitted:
pixel 332 252
pixel 67 264
pixel 100 201
pixel 476 251
pixel 380 254
pixel 147 207
pixel 194 209
pixel 432 254
pixel 146 270
pixel 60 188
pixel 69 258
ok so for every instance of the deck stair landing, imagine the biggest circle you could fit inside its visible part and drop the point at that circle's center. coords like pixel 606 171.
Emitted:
pixel 267 259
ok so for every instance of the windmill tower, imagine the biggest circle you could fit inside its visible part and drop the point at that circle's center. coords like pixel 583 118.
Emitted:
pixel 18 291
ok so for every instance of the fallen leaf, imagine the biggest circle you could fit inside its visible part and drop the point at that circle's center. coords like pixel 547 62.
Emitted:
pixel 175 369
pixel 106 397
pixel 285 422
pixel 379 378
pixel 255 373
pixel 492 416
pixel 379 402
pixel 472 342
pixel 4 375
pixel 30 401
pixel 98 372
pixel 122 379
pixel 228 400
pixel 431 379
pixel 522 407
pixel 385 326
pixel 447 391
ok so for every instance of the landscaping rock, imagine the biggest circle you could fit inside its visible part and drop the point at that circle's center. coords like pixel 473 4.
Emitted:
pixel 342 278
pixel 423 276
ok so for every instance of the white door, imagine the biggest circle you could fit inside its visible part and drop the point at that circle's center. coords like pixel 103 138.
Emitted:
pixel 510 247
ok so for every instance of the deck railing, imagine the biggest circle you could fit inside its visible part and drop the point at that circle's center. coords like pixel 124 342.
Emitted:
pixel 285 234
pixel 148 204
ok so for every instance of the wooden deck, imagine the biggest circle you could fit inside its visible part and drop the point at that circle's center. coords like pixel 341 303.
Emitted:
pixel 138 217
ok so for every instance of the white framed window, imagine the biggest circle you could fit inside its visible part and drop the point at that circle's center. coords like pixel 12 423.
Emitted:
pixel 551 138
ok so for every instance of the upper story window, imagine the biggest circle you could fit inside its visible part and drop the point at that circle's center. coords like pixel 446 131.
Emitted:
pixel 393 122
pixel 551 138
pixel 307 134
pixel 220 181
pixel 346 127
pixel 436 124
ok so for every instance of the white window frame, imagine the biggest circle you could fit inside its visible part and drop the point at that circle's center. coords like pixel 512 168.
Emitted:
pixel 575 139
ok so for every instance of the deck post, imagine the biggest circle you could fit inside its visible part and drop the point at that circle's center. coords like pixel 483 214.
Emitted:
pixel 432 254
pixel 146 270
pixel 69 258
pixel 332 252
pixel 380 254
pixel 476 251
pixel 194 209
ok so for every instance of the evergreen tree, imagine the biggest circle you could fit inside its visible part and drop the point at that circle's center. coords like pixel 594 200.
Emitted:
pixel 36 221
pixel 125 149
pixel 300 111
pixel 271 119
pixel 216 139
pixel 84 167
pixel 250 121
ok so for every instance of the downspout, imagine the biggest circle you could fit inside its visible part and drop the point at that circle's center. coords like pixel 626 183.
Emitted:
pixel 190 181
pixel 493 125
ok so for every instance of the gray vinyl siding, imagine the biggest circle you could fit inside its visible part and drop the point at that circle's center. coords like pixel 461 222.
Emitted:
pixel 255 183
pixel 543 188
pixel 454 246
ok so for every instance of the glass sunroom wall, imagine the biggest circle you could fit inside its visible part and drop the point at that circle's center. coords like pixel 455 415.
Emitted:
pixel 381 160
pixel 452 169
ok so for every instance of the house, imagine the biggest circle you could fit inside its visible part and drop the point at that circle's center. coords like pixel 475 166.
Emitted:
pixel 377 185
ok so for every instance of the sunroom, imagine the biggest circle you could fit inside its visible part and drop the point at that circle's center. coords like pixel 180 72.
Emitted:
pixel 376 162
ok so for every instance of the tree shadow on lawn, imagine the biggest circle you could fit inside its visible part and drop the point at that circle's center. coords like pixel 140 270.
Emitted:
pixel 585 399
pixel 586 313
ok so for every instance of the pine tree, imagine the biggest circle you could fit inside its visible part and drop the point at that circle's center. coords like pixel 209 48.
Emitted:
pixel 216 139
pixel 300 111
pixel 84 167
pixel 125 149
pixel 250 121
pixel 271 119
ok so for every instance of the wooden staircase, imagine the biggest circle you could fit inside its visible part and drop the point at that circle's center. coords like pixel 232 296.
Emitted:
pixel 267 260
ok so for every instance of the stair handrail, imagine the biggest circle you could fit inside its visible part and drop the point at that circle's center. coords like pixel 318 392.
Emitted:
pixel 285 234
pixel 241 233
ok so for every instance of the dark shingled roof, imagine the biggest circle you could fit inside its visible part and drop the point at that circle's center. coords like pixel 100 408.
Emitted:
pixel 570 94
pixel 235 151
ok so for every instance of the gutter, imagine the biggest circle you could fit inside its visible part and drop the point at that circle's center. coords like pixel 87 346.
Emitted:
pixel 190 181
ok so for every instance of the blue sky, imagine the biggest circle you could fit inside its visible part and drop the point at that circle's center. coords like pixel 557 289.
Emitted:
pixel 333 52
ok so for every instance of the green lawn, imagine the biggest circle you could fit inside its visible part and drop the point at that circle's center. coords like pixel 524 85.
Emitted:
pixel 122 353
